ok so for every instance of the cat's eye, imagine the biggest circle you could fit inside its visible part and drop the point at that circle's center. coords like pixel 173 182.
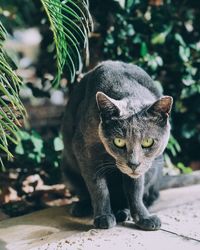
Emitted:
pixel 119 142
pixel 147 142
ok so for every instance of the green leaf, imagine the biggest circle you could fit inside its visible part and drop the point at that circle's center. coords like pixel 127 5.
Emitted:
pixel 37 142
pixel 11 108
pixel 143 49
pixel 158 38
pixel 121 3
pixel 183 168
pixel 24 135
pixel 184 53
pixel 130 30
pixel 173 146
pixel 196 46
pixel 109 39
pixel 159 60
pixel 187 80
pixel 69 20
pixel 137 39
pixel 179 38
pixel 58 144
pixel 19 149
pixel 129 3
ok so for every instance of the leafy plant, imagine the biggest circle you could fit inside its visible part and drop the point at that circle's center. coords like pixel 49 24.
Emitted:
pixel 165 41
pixel 70 23
pixel 30 146
pixel 36 154
pixel 173 146
pixel 11 109
pixel 183 168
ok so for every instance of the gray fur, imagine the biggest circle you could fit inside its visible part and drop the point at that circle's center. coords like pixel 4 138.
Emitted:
pixel 115 100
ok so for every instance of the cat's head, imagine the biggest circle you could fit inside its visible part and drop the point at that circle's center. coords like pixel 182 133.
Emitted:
pixel 134 137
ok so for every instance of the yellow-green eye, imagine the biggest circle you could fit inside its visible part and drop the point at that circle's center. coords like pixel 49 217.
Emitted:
pixel 147 142
pixel 120 143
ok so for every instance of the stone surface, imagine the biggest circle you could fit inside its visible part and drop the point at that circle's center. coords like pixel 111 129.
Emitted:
pixel 3 216
pixel 54 229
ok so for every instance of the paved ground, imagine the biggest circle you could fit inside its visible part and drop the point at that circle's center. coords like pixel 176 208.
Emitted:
pixel 54 229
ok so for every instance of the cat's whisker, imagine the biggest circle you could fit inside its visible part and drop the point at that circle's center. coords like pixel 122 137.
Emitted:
pixel 103 169
pixel 105 164
pixel 121 165
pixel 110 171
pixel 107 171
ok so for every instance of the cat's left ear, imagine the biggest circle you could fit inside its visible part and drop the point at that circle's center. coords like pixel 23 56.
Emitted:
pixel 108 107
pixel 162 106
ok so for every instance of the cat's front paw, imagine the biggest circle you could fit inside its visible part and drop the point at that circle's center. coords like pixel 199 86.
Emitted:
pixel 105 221
pixel 150 223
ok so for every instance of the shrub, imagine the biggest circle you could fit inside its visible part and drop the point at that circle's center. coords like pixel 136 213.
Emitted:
pixel 165 41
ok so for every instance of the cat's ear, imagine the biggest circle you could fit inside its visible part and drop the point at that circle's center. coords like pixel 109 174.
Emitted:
pixel 108 107
pixel 162 106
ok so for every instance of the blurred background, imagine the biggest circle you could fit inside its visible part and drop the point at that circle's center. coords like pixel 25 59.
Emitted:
pixel 45 44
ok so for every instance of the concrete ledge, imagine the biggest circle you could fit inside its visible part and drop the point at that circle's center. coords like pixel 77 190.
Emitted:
pixel 54 228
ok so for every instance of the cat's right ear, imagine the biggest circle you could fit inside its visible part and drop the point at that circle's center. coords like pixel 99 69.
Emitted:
pixel 162 106
pixel 108 107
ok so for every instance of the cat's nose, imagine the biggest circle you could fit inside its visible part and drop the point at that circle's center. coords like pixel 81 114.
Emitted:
pixel 133 165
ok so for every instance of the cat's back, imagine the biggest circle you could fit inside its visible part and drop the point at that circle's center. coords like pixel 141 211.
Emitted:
pixel 118 80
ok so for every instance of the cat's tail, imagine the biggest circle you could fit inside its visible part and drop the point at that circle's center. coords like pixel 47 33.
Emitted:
pixel 181 180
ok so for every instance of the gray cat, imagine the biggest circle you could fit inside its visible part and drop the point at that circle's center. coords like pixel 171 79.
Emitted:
pixel 115 129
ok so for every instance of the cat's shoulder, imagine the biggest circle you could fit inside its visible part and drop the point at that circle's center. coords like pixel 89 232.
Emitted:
pixel 117 65
pixel 119 68
pixel 120 74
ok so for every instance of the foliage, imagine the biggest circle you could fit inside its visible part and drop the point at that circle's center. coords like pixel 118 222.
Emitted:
pixel 165 41
pixel 173 146
pixel 11 108
pixel 70 23
pixel 35 153
pixel 183 168
pixel 67 42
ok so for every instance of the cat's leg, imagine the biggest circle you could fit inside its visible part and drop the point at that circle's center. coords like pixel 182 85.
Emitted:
pixel 122 211
pixel 151 191
pixel 75 183
pixel 150 196
pixel 81 208
pixel 118 198
pixel 87 157
pixel 103 216
pixel 152 181
pixel 134 189
pixel 123 215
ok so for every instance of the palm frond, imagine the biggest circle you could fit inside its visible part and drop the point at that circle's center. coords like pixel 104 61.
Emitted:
pixel 11 109
pixel 71 24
